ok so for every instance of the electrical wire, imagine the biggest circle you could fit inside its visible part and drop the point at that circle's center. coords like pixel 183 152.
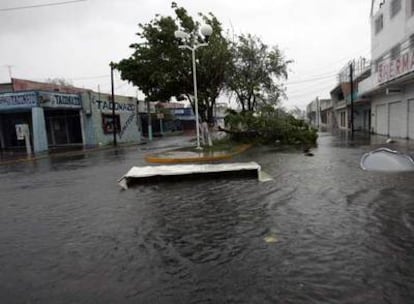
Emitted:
pixel 311 79
pixel 309 92
pixel 39 5
pixel 91 77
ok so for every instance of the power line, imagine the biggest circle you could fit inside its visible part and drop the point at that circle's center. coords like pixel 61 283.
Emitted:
pixel 311 79
pixel 308 92
pixel 344 60
pixel 120 86
pixel 91 77
pixel 39 5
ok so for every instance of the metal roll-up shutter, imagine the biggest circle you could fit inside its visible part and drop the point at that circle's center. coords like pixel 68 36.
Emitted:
pixel 381 119
pixel 396 120
pixel 411 118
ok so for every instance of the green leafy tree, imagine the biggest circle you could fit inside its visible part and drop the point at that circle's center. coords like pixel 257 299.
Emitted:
pixel 255 72
pixel 162 70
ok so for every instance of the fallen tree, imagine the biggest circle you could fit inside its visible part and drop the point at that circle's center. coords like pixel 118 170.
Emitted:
pixel 270 126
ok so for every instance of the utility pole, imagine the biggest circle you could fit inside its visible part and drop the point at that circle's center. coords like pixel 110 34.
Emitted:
pixel 318 112
pixel 149 121
pixel 351 79
pixel 112 65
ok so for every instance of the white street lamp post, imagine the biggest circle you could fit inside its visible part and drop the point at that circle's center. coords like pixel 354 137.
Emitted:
pixel 206 31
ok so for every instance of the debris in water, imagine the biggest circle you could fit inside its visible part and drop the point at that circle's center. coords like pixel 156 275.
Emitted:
pixel 271 239
pixel 387 160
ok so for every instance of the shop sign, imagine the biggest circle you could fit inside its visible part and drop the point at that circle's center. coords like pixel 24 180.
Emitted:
pixel 10 101
pixel 392 68
pixel 55 100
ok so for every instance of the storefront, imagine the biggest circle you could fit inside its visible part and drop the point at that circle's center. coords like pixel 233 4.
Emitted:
pixel 15 109
pixel 392 113
pixel 58 119
pixel 53 119
pixel 98 119
pixel 62 118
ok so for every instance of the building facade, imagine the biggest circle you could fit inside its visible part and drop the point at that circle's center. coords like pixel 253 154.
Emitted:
pixel 320 114
pixel 390 86
pixel 346 98
pixel 64 116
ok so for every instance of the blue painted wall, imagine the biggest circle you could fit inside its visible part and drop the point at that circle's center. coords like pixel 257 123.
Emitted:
pixel 39 130
pixel 88 123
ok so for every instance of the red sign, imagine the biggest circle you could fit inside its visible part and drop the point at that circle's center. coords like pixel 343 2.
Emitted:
pixel 393 68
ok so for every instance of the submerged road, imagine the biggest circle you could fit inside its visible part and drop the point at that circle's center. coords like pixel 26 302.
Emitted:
pixel 323 231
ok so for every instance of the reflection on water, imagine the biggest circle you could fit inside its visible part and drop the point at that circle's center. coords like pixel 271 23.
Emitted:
pixel 323 231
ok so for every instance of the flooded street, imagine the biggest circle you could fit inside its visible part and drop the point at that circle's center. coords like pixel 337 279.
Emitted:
pixel 323 231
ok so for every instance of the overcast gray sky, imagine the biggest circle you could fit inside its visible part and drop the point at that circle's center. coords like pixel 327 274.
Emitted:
pixel 77 41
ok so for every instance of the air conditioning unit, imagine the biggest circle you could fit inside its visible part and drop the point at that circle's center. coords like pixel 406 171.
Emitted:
pixel 392 91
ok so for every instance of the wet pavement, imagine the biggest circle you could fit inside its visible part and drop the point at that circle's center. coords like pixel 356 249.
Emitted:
pixel 323 231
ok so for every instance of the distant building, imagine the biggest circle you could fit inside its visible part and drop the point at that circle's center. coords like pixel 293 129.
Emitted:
pixel 319 113
pixel 391 83
pixel 346 98
pixel 64 116
pixel 326 114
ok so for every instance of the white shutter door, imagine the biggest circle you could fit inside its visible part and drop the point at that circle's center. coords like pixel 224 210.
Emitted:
pixel 381 120
pixel 411 119
pixel 396 120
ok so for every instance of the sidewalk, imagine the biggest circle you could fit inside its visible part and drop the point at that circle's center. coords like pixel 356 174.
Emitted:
pixel 11 157
pixel 166 150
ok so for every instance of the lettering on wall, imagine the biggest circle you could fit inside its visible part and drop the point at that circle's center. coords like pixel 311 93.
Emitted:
pixel 122 107
pixel 392 68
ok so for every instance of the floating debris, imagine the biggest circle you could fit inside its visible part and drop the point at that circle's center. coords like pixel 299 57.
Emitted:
pixel 270 239
pixel 171 172
pixel 386 160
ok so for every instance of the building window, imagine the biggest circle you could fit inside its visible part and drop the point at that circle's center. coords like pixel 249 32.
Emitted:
pixel 412 41
pixel 107 123
pixel 395 52
pixel 395 7
pixel 379 23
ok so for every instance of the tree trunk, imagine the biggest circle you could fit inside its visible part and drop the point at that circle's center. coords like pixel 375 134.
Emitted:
pixel 210 114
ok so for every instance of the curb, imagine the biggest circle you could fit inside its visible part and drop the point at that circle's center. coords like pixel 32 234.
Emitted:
pixel 179 160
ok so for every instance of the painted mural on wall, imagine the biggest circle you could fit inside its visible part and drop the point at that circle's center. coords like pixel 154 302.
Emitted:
pixel 107 123
pixel 125 118
pixel 127 124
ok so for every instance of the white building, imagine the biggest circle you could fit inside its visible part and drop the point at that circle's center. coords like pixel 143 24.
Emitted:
pixel 391 84
pixel 313 113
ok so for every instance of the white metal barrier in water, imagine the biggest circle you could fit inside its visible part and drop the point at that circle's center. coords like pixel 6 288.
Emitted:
pixel 148 172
